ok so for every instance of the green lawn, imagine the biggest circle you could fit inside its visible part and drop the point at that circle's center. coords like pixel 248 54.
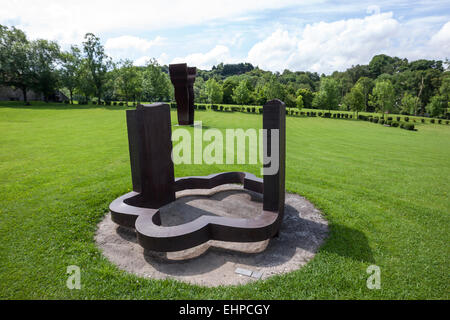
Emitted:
pixel 384 191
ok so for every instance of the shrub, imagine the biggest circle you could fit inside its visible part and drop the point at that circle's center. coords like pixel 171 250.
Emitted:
pixel 398 118
pixel 389 122
pixel 394 124
pixel 382 121
pixel 375 120
pixel 407 126
pixel 362 117
pixel 94 102
pixel 439 121
pixel 66 101
pixel 320 114
pixel 432 120
pixel 446 122
pixel 351 116
pixel 406 119
pixel 302 113
pixel 327 115
pixel 423 120
pixel 121 104
pixel 389 118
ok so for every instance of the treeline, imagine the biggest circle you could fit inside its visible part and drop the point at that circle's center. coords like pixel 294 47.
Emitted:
pixel 82 73
pixel 387 84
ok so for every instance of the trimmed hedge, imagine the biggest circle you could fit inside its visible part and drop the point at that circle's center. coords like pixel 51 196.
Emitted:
pixel 407 126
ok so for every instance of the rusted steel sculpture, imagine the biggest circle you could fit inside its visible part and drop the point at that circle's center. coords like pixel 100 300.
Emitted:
pixel 183 78
pixel 154 185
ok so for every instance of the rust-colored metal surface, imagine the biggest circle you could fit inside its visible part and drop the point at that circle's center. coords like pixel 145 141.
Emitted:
pixel 183 78
pixel 150 156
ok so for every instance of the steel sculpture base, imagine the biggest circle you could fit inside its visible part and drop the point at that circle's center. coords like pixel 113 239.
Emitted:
pixel 151 235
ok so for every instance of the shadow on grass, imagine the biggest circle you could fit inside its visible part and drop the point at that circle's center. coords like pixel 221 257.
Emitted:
pixel 349 243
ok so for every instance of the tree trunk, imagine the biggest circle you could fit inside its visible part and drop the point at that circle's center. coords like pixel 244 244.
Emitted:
pixel 71 97
pixel 25 98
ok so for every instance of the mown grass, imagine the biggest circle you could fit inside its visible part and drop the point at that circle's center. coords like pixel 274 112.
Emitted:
pixel 384 192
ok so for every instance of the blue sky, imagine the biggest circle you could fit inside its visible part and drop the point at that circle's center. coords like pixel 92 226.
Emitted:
pixel 320 36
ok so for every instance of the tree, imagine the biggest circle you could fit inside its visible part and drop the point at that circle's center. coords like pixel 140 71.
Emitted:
pixel 242 94
pixel 367 86
pixel 16 60
pixel 445 90
pixel 45 56
pixel 383 96
pixel 200 91
pixel 273 89
pixel 228 85
pixel 299 102
pixel 328 96
pixel 409 104
pixel 355 99
pixel 70 69
pixel 307 97
pixel 97 62
pixel 128 81
pixel 156 83
pixel 437 106
pixel 214 91
pixel 85 83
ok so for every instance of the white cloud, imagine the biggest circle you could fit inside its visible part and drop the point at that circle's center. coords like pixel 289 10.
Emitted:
pixel 68 21
pixel 324 47
pixel 142 61
pixel 219 53
pixel 131 42
pixel 440 42
pixel 126 47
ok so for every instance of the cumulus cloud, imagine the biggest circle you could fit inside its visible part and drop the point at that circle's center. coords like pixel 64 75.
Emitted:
pixel 327 46
pixel 131 42
pixel 130 46
pixel 440 42
pixel 68 21
pixel 219 53
pixel 142 61
pixel 324 47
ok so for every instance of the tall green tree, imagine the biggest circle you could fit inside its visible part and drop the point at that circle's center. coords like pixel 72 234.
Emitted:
pixel 242 94
pixel 70 69
pixel 437 106
pixel 328 96
pixel 409 104
pixel 45 59
pixel 16 60
pixel 97 62
pixel 307 97
pixel 228 85
pixel 299 102
pixel 156 83
pixel 367 85
pixel 128 81
pixel 383 97
pixel 355 99
pixel 214 91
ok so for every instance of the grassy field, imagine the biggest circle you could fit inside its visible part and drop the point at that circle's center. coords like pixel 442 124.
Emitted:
pixel 384 191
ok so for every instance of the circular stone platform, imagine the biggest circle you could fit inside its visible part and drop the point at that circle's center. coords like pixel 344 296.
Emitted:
pixel 219 263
